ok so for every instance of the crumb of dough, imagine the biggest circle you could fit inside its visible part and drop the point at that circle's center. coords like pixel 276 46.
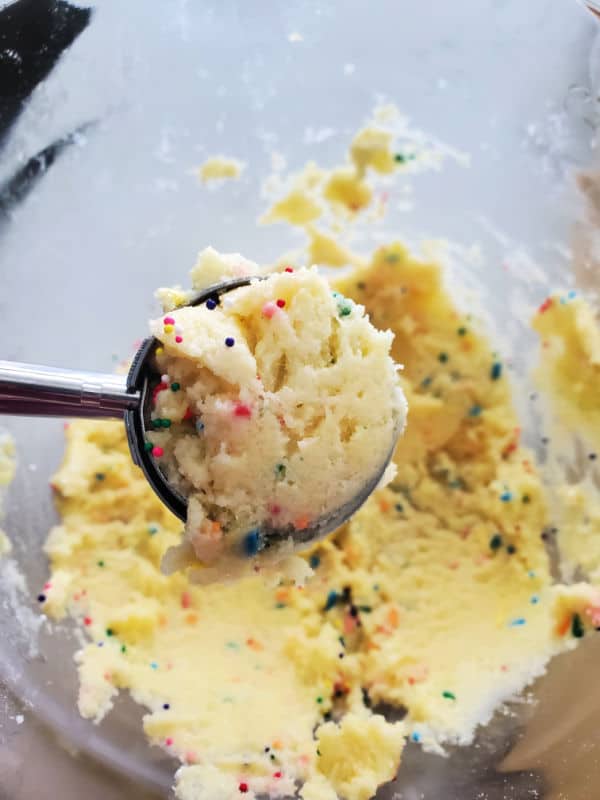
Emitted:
pixel 276 406
pixel 296 209
pixel 240 680
pixel 219 168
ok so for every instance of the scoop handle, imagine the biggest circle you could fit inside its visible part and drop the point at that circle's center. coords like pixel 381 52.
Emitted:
pixel 40 391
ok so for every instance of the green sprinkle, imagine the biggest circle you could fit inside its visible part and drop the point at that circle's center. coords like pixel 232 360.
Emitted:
pixel 175 387
pixel 319 699
pixel 496 371
pixel 511 549
pixel 496 542
pixel 318 752
pixel 232 645
pixel 148 446
pixel 449 695
pixel 361 285
pixel 392 258
pixel 475 411
pixel 462 331
pixel 402 158
pixel 399 507
pixel 366 609
pixel 443 358
pixel 280 470
pixel 109 632
pixel 345 311
pixel 152 529
pixel 577 629
pixel 123 648
pixel 157 423
pixel 525 498
pixel 100 476
pixel 279 605
pixel 166 423
pixel 101 563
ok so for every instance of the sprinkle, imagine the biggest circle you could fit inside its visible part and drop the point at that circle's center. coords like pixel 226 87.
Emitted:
pixel 496 371
pixel 531 573
pixel 211 303
pixel 242 410
pixel 280 470
pixel 506 497
pixel 109 632
pixel 252 542
pixel 277 774
pixel 41 598
pixel 269 309
pixel 229 341
pixel 175 387
pixel 496 542
pixel 148 446
pixel 186 600
pixel 168 741
pixel 243 787
pixel 168 329
pixel 301 523
pixel 288 269
pixel 169 321
pixel 199 426
pixel 314 561
pixel 157 451
pixel 123 648
pixel 100 476
pixel 87 620
pixel 158 388
pixel 426 381
pixel 319 699
pixel 332 599
pixel 153 665
pixel 443 357
pixel 415 736
pixel 399 507
pixel 592 456
pixel 545 306
pixel 152 529
pixel 515 623
pixel 449 695
pixel 475 411
pixel 462 331
pixel 166 423
pixel 159 351
pixel 526 499
pixel 511 549
pixel 534 599
pixel 280 303
pixel 166 706
pixel 157 423
pixel 179 339
pixel 577 629
pixel 100 563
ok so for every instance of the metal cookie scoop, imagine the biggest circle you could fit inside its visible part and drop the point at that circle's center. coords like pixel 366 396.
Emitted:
pixel 39 391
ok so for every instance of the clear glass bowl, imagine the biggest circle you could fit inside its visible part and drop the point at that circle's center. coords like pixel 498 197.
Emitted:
pixel 120 212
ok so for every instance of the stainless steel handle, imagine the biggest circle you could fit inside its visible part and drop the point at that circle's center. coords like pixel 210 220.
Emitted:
pixel 35 390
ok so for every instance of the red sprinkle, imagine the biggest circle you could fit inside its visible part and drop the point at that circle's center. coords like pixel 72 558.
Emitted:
pixel 87 620
pixel 188 413
pixel 548 302
pixel 169 321
pixel 179 339
pixel 275 509
pixel 281 303
pixel 243 787
pixel 242 410
pixel 157 451
pixel 289 269
pixel 160 388
pixel 186 600
pixel 277 774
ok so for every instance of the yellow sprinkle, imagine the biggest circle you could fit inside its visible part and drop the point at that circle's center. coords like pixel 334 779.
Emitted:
pixel 160 351
pixel 168 329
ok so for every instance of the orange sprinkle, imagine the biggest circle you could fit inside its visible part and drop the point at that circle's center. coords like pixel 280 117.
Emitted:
pixel 254 645
pixel 564 626
pixel 162 620
pixel 282 594
pixel 191 618
pixel 301 523
pixel 545 305
pixel 186 600
pixel 277 744
pixel 384 504
pixel 393 617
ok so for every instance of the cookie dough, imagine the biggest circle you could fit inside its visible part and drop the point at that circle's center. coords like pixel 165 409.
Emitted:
pixel 436 597
pixel 278 403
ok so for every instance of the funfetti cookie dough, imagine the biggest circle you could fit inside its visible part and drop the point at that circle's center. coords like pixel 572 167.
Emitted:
pixel 278 403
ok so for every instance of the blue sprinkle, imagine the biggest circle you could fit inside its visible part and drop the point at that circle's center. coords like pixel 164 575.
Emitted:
pixel 100 644
pixel 415 736
pixel 475 411
pixel 426 381
pixel 154 665
pixel 572 294
pixel 531 573
pixel 332 599
pixel 496 371
pixel 314 561
pixel 152 529
pixel 506 497
pixel 211 304
pixel 199 425
pixel 515 623
pixel 230 341
pixel 252 542
pixel 534 599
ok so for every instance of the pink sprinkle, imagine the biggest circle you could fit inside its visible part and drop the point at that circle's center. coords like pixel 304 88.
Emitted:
pixel 281 303
pixel 157 451
pixel 87 620
pixel 504 668
pixel 168 741
pixel 179 339
pixel 269 309
pixel 66 426
pixel 191 757
pixel 274 509
pixel 186 600
pixel 169 321
pixel 242 410
pixel 47 586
